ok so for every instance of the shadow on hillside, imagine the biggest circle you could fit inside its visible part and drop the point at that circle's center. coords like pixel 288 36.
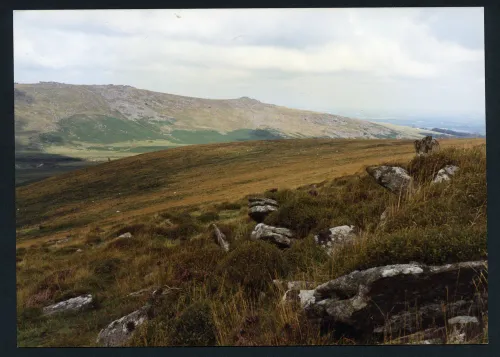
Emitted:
pixel 32 166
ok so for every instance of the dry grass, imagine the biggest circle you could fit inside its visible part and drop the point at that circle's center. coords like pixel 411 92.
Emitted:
pixel 192 176
pixel 174 246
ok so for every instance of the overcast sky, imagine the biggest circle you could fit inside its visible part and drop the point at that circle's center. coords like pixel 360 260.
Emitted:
pixel 384 61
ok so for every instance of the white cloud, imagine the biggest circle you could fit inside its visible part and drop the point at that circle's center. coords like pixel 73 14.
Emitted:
pixel 350 58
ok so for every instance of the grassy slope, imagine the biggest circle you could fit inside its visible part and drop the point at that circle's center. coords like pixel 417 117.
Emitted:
pixel 173 245
pixel 192 175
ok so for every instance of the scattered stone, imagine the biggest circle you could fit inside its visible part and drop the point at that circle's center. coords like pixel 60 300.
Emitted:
pixel 294 285
pixel 383 216
pixel 259 208
pixel 120 331
pixel 126 235
pixel 425 146
pixel 65 240
pixel 313 191
pixel 445 173
pixel 75 304
pixel 463 329
pixel 282 237
pixel 429 336
pixel 394 178
pixel 408 321
pixel 379 300
pixel 79 250
pixel 140 292
pixel 220 238
pixel 335 237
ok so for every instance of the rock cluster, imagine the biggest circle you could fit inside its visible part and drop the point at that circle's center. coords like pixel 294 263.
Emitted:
pixel 401 298
pixel 259 208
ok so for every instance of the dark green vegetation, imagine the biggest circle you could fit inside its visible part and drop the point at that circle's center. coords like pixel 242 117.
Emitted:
pixel 217 295
pixel 212 136
pixel 32 166
pixel 101 129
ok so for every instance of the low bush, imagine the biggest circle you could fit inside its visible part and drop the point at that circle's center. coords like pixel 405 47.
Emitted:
pixel 195 326
pixel 253 265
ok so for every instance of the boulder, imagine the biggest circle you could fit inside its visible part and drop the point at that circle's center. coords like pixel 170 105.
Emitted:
pixel 373 302
pixel 120 331
pixel 220 238
pixel 259 208
pixel 425 146
pixel 335 237
pixel 445 173
pixel 394 178
pixel 282 237
pixel 79 303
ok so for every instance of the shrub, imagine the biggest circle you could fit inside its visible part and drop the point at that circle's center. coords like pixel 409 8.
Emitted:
pixel 123 244
pixel 208 217
pixel 302 213
pixel 425 168
pixel 253 265
pixel 229 206
pixel 106 269
pixel 134 229
pixel 304 254
pixel 92 239
pixel 195 262
pixel 431 245
pixel 195 326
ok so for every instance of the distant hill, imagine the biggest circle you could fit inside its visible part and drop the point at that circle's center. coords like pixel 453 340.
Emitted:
pixel 100 121
pixel 458 134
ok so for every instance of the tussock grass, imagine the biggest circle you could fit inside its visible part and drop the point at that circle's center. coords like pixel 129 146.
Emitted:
pixel 228 298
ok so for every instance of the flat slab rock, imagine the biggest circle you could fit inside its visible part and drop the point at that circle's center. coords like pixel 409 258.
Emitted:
pixel 259 208
pixel 120 331
pixel 394 178
pixel 445 174
pixel 335 237
pixel 282 237
pixel 365 300
pixel 220 238
pixel 74 304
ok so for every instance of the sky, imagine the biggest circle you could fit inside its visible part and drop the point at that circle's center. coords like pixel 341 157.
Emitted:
pixel 387 61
